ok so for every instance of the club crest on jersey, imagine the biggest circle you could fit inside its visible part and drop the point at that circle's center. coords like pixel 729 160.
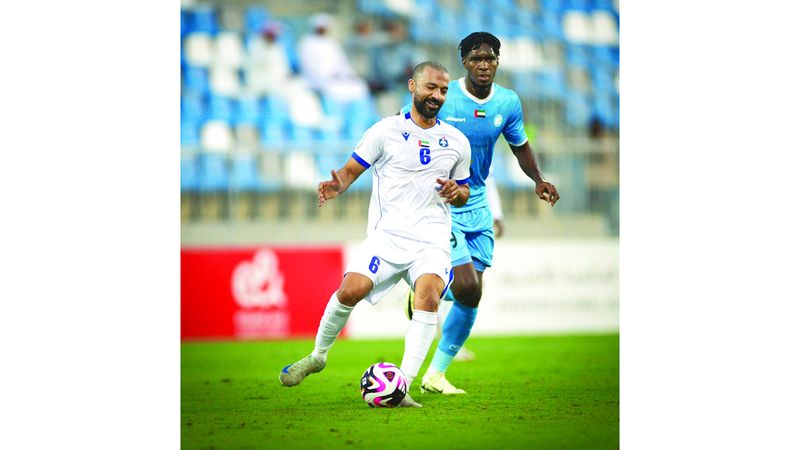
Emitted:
pixel 424 144
pixel 406 134
pixel 498 119
pixel 480 113
pixel 443 142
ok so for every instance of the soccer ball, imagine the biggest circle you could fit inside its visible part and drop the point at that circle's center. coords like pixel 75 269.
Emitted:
pixel 383 385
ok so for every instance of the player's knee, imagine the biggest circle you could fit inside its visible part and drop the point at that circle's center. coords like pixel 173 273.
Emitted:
pixel 426 300
pixel 468 293
pixel 353 289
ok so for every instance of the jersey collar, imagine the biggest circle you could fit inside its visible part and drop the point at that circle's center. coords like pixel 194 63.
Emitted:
pixel 462 84
pixel 408 116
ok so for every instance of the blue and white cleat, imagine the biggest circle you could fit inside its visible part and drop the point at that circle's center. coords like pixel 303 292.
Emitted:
pixel 293 374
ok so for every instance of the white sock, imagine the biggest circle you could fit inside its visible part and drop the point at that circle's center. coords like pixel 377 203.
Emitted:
pixel 419 337
pixel 333 320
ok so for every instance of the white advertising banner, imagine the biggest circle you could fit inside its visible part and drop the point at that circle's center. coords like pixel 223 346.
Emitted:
pixel 534 286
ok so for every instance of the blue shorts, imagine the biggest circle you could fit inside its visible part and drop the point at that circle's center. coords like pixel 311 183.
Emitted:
pixel 472 239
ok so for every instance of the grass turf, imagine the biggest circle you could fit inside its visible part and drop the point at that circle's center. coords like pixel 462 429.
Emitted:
pixel 559 392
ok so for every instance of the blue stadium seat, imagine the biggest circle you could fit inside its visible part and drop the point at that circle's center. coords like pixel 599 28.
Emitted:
pixel 245 174
pixel 189 176
pixel 255 17
pixel 192 105
pixel 578 110
pixel 606 108
pixel 204 19
pixel 186 23
pixel 551 25
pixel 273 133
pixel 190 132
pixel 213 171
pixel 553 6
pixel 196 78
pixel 602 81
pixel 220 108
pixel 578 55
pixel 247 111
pixel 550 85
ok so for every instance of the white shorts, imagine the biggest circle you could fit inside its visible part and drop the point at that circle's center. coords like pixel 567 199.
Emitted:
pixel 369 262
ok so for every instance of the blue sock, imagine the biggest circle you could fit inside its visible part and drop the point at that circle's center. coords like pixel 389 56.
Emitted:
pixel 455 332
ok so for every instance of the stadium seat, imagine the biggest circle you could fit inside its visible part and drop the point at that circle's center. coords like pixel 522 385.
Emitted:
pixel 198 49
pixel 220 108
pixel 225 81
pixel 606 30
pixel 578 110
pixel 192 105
pixel 189 132
pixel 245 174
pixel 273 134
pixel 204 20
pixel 577 27
pixel 196 78
pixel 255 17
pixel 300 170
pixel 228 50
pixel 247 111
pixel 213 172
pixel 550 85
pixel 189 176
pixel 216 136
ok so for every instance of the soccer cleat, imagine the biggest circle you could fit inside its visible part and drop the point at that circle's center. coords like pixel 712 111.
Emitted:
pixel 293 374
pixel 409 402
pixel 464 354
pixel 435 383
pixel 410 304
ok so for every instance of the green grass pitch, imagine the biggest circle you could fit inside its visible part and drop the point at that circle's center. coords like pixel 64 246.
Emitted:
pixel 559 392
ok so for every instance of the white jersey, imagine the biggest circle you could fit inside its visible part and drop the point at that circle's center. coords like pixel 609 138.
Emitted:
pixel 406 160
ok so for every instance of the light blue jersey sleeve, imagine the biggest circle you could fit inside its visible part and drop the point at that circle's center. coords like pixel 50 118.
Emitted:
pixel 514 130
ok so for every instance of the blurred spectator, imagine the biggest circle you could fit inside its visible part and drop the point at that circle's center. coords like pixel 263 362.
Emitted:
pixel 362 48
pixel 396 59
pixel 267 66
pixel 324 64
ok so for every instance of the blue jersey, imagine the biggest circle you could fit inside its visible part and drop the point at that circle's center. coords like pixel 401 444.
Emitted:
pixel 482 121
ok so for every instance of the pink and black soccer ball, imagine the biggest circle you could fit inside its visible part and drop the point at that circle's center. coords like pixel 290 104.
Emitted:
pixel 383 385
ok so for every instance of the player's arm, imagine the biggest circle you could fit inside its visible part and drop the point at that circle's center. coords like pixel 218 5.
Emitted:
pixel 452 192
pixel 340 181
pixel 527 162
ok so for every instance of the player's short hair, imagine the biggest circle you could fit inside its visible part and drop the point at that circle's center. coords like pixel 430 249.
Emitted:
pixel 477 39
pixel 421 68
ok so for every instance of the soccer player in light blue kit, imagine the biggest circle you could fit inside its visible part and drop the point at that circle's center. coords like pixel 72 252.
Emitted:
pixel 481 110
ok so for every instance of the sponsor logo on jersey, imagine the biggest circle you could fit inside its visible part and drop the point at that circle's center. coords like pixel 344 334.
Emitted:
pixel 443 142
pixel 480 113
pixel 455 119
pixel 424 144
pixel 498 119
pixel 406 134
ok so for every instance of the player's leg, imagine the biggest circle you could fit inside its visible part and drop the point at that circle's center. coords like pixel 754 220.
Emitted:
pixel 354 288
pixel 467 289
pixel 427 275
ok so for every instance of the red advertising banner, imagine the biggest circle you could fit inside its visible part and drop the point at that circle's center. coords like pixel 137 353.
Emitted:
pixel 258 292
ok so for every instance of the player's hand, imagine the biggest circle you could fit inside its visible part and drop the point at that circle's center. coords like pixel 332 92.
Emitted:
pixel 499 228
pixel 547 192
pixel 329 189
pixel 448 190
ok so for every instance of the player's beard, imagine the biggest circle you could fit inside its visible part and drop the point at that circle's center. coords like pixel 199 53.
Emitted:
pixel 425 110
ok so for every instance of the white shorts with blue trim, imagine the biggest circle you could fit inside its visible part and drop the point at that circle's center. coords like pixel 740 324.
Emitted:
pixel 373 260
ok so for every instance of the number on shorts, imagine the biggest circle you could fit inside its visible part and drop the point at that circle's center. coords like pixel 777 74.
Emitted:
pixel 373 265
pixel 424 155
pixel 453 241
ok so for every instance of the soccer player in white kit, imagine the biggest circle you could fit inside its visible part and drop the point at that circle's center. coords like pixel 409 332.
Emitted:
pixel 420 167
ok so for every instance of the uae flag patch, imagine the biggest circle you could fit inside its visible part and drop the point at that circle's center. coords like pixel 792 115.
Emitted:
pixel 423 144
pixel 480 113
